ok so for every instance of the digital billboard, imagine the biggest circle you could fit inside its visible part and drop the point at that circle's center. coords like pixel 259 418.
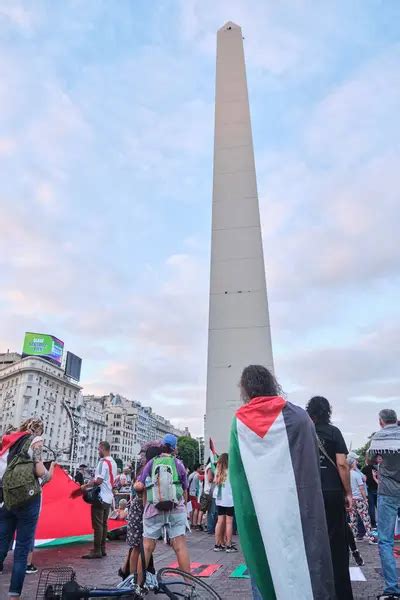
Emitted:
pixel 43 345
pixel 73 366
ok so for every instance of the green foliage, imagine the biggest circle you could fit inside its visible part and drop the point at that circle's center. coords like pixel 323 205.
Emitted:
pixel 362 452
pixel 188 451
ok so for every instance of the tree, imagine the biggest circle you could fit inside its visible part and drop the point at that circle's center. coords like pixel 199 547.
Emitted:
pixel 362 452
pixel 188 451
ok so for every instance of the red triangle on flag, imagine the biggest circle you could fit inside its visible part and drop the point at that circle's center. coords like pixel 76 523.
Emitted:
pixel 260 413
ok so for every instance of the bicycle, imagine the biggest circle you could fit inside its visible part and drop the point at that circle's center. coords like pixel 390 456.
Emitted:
pixel 174 583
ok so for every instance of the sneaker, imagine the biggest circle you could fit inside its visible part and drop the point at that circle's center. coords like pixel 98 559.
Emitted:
pixel 373 541
pixel 91 555
pixel 31 568
pixel 231 548
pixel 358 558
pixel 218 548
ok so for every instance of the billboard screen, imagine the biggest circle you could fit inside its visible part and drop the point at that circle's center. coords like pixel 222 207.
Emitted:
pixel 73 366
pixel 43 345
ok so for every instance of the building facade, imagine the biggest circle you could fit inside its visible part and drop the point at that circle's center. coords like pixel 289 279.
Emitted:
pixel 33 386
pixel 129 425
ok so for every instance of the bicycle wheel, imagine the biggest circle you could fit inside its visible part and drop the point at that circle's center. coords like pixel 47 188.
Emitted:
pixel 178 585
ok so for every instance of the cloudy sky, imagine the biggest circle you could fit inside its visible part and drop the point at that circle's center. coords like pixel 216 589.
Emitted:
pixel 106 135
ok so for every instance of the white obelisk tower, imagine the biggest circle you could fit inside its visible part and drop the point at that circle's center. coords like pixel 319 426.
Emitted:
pixel 239 329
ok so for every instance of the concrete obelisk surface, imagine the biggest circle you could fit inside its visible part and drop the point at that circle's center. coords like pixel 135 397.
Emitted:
pixel 239 328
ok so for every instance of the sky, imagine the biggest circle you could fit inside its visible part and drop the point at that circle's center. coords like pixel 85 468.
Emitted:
pixel 106 138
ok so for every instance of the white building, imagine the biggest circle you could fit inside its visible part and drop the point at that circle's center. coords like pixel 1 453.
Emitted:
pixel 91 431
pixel 34 386
pixel 129 425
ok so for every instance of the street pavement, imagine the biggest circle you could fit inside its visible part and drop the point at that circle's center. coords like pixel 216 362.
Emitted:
pixel 104 571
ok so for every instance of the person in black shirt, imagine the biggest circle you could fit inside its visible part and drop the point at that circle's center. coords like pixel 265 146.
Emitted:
pixel 336 489
pixel 371 473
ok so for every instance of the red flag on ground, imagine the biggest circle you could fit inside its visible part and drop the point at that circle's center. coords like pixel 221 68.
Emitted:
pixel 64 519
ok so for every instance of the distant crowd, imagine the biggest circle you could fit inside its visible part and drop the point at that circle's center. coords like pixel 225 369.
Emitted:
pixel 289 486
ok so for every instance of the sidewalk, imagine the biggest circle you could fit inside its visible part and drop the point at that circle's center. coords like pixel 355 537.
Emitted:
pixel 104 571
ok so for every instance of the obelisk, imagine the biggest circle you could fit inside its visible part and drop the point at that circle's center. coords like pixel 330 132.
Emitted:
pixel 239 328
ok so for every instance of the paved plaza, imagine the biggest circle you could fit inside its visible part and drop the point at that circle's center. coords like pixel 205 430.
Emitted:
pixel 98 572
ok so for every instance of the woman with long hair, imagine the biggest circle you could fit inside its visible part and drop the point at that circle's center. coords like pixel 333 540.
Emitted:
pixel 336 490
pixel 22 520
pixel 224 501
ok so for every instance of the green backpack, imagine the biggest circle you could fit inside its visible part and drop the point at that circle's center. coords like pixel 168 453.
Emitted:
pixel 164 488
pixel 20 484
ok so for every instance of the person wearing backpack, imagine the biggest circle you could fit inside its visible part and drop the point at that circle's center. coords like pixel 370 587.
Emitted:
pixel 164 481
pixel 22 474
pixel 102 500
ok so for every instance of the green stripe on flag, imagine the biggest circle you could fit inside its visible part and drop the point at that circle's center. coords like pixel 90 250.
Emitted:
pixel 75 539
pixel 249 531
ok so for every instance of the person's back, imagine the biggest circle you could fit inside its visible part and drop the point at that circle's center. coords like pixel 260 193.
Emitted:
pixel 20 512
pixel 107 470
pixel 155 520
pixel 389 475
pixel 335 483
pixel 274 473
pixel 193 484
pixel 333 443
pixel 386 443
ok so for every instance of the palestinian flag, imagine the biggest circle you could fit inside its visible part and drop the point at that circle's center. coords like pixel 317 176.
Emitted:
pixel 64 520
pixel 213 456
pixel 279 508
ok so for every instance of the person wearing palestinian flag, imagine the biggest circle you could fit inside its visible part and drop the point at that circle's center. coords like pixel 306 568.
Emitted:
pixel 275 478
pixel 19 516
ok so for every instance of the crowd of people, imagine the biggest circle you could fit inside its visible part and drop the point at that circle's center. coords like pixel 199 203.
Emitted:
pixel 161 499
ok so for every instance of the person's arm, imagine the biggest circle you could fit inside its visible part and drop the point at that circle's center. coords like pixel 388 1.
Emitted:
pixel 344 474
pixel 38 466
pixel 375 476
pixel 139 484
pixel 49 475
pixel 362 490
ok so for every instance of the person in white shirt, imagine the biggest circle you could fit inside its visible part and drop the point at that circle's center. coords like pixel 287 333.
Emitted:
pixel 224 501
pixel 104 477
pixel 360 501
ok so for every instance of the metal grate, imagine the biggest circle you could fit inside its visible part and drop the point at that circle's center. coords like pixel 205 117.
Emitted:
pixel 51 582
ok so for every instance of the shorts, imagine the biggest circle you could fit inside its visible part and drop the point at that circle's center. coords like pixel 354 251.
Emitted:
pixel 176 521
pixel 195 503
pixel 229 511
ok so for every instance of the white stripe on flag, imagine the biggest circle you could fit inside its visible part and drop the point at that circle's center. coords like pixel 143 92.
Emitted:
pixel 277 507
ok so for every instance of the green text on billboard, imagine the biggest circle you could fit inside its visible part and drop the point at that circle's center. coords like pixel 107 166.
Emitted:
pixel 44 345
